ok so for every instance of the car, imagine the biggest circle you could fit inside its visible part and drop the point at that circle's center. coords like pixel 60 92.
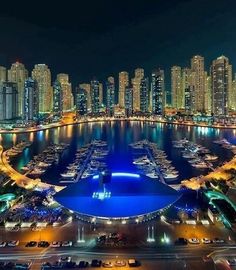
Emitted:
pixel 96 263
pixel 120 263
pixel 15 229
pixel 181 241
pixel 3 244
pixel 65 259
pixel 31 244
pixel 83 264
pixel 133 263
pixel 43 244
pixel 218 241
pixel 13 243
pixel 55 244
pixel 107 264
pixel 194 241
pixel 67 244
pixel 206 241
pixel 231 262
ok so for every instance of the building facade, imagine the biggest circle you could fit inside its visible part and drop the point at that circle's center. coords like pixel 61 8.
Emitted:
pixel 123 83
pixel 158 92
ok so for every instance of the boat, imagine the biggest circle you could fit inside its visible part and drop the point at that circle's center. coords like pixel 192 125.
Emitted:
pixel 169 176
pixel 200 165
pixel 209 157
pixel 68 174
pixel 152 175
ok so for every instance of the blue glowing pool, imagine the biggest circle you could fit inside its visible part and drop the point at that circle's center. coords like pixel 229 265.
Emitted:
pixel 125 196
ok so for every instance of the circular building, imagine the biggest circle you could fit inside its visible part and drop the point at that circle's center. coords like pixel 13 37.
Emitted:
pixel 122 196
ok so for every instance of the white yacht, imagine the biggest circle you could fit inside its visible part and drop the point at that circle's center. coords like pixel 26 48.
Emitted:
pixel 69 174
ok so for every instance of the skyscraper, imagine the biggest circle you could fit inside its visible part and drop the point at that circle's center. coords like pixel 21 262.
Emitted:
pixel 67 96
pixel 30 101
pixel 220 74
pixel 95 96
pixel 41 73
pixel 123 83
pixel 87 88
pixel 144 95
pixel 188 82
pixel 234 94
pixel 158 94
pixel 8 101
pixel 197 66
pixel 3 74
pixel 57 99
pixel 18 74
pixel 110 95
pixel 177 89
pixel 81 102
pixel 136 82
pixel 208 98
pixel 128 101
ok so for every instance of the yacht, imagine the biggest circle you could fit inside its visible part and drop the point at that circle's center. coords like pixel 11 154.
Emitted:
pixel 68 174
pixel 209 157
pixel 169 176
pixel 200 165
pixel 152 175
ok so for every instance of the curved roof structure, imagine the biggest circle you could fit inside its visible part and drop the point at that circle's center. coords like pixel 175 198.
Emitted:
pixel 125 196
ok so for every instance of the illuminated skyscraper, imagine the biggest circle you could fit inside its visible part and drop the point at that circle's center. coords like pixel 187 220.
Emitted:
pixel 188 83
pixel 234 93
pixel 41 73
pixel 197 66
pixel 110 95
pixel 95 96
pixel 30 101
pixel 208 98
pixel 177 89
pixel 136 82
pixel 8 101
pixel 144 95
pixel 3 74
pixel 57 99
pixel 128 101
pixel 123 83
pixel 67 96
pixel 18 74
pixel 87 88
pixel 81 102
pixel 158 92
pixel 220 76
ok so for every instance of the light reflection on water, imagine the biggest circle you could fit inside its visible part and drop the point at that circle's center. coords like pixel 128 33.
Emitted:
pixel 119 134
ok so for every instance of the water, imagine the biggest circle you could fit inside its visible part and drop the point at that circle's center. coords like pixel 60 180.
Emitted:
pixel 119 134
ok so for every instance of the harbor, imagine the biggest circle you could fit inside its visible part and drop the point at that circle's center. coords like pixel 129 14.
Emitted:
pixel 153 162
pixel 89 160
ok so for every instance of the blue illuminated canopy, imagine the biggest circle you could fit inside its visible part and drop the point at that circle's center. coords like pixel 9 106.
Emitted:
pixel 127 195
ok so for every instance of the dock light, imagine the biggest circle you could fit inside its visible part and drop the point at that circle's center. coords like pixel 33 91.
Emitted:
pixel 119 174
pixel 109 222
pixel 165 239
pixel 123 222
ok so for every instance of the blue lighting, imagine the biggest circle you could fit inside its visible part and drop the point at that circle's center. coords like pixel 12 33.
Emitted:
pixel 120 174
pixel 101 195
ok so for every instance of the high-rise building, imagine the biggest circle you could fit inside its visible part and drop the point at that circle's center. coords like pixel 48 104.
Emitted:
pixel 95 96
pixel 81 102
pixel 158 92
pixel 110 95
pixel 18 74
pixel 67 96
pixel 188 84
pixel 8 101
pixel 177 89
pixel 123 83
pixel 144 95
pixel 197 66
pixel 100 94
pixel 87 88
pixel 41 73
pixel 230 89
pixel 3 74
pixel 136 82
pixel 208 98
pixel 57 99
pixel 128 101
pixel 30 101
pixel 233 96
pixel 220 70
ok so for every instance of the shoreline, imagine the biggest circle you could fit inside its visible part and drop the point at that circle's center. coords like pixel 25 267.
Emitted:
pixel 110 119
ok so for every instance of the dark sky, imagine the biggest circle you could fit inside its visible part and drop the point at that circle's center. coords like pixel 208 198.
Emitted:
pixel 100 38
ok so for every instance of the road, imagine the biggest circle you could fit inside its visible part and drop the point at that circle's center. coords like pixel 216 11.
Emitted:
pixel 171 257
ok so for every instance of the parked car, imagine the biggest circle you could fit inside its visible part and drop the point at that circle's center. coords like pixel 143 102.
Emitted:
pixel 83 264
pixel 13 243
pixel 120 263
pixel 43 244
pixel 181 241
pixel 67 244
pixel 3 244
pixel 96 263
pixel 107 264
pixel 55 244
pixel 31 244
pixel 194 241
pixel 133 263
pixel 206 241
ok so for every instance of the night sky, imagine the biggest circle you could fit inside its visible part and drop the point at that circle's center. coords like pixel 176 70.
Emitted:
pixel 100 38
